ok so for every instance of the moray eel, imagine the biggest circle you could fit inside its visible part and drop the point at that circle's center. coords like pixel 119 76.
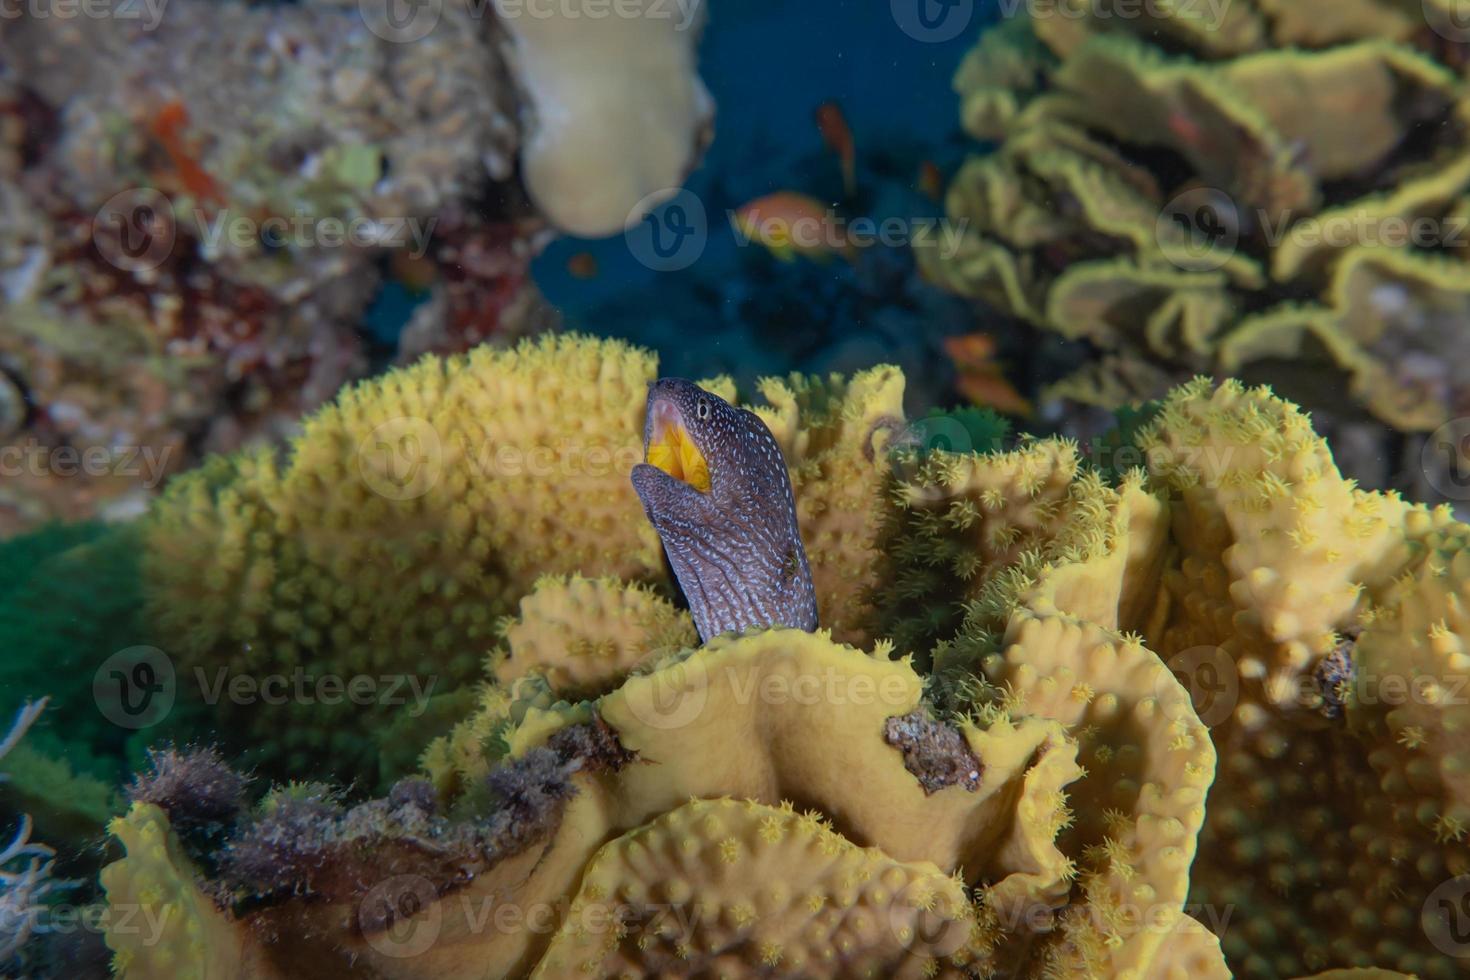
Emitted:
pixel 715 488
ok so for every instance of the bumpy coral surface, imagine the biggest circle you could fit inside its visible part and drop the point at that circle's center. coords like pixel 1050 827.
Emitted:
pixel 1038 797
pixel 418 509
pixel 1274 189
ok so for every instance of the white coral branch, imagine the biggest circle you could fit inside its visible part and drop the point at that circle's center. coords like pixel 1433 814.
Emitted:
pixel 23 890
pixel 24 718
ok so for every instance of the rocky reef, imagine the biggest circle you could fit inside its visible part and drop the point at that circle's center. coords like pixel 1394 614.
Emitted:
pixel 1272 191
pixel 1183 711
pixel 200 201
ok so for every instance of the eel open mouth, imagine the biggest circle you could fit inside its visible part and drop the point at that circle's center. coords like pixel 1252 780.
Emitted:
pixel 671 449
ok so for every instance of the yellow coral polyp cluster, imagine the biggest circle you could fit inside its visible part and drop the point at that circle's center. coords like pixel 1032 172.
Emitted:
pixel 413 513
pixel 744 889
pixel 1154 731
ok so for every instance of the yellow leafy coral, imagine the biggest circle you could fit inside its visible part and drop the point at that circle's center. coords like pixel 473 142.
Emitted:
pixel 1052 765
pixel 1224 191
pixel 875 861
pixel 1318 629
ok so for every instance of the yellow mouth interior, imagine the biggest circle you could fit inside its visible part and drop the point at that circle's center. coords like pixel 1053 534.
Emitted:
pixel 672 451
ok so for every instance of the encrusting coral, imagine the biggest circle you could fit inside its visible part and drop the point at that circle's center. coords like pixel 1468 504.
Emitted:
pixel 1033 792
pixel 1266 190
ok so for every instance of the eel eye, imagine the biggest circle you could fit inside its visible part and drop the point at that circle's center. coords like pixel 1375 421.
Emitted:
pixel 701 410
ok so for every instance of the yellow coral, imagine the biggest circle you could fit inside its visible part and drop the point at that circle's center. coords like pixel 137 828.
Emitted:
pixel 1270 249
pixel 1288 603
pixel 1139 805
pixel 586 635
pixel 409 515
pixel 160 923
pixel 961 519
pixel 834 434
pixel 666 898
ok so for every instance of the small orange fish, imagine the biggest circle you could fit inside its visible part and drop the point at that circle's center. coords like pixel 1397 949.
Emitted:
pixel 583 265
pixel 168 128
pixel 980 378
pixel 931 181
pixel 832 124
pixel 788 224
pixel 416 273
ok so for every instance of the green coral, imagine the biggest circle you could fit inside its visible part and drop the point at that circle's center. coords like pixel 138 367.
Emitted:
pixel 1277 194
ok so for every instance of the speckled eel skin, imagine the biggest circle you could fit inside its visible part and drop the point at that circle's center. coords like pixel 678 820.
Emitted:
pixel 716 490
